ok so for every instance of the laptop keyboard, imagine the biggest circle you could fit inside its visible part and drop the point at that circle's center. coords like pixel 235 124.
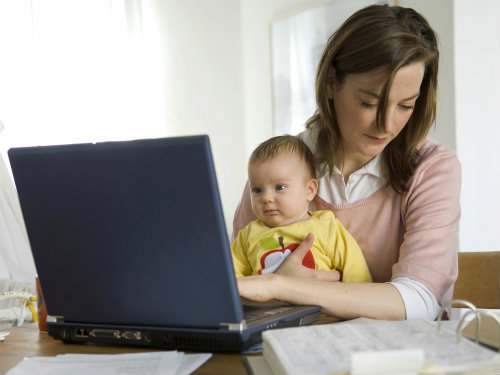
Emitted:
pixel 255 311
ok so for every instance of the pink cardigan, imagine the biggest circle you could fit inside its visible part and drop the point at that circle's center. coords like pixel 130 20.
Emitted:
pixel 412 235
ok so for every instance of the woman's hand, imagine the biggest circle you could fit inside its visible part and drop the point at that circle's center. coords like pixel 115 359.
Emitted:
pixel 293 264
pixel 256 288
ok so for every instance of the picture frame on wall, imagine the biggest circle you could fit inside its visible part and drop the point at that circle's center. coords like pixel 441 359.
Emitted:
pixel 297 42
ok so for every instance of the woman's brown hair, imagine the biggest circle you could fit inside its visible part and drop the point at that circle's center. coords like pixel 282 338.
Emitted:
pixel 379 36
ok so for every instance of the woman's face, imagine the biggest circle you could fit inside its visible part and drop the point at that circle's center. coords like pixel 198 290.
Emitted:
pixel 356 101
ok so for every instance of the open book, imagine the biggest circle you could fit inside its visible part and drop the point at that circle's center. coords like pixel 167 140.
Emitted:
pixel 328 349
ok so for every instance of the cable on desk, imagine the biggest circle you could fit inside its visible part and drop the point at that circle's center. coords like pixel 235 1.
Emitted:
pixel 27 299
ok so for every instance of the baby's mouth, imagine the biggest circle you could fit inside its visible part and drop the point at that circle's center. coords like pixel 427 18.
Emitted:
pixel 270 212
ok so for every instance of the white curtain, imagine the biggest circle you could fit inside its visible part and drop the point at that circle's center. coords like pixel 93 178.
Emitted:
pixel 16 261
pixel 79 71
pixel 72 71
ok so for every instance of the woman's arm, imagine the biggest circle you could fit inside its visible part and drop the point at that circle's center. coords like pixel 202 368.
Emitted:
pixel 243 214
pixel 297 284
pixel 343 300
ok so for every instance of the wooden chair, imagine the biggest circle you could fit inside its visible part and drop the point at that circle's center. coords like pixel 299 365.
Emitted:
pixel 479 279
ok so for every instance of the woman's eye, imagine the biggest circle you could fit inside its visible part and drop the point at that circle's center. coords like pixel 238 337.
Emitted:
pixel 280 187
pixel 407 107
pixel 368 105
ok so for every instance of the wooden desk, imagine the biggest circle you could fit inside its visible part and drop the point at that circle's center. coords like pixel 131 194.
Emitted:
pixel 27 341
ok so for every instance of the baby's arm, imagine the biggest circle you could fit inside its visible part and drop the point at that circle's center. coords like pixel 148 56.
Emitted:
pixel 347 255
pixel 241 264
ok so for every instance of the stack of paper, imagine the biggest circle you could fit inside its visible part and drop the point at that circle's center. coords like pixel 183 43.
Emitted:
pixel 326 349
pixel 150 363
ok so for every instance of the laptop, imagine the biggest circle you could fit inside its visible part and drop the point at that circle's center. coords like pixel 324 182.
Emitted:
pixel 131 247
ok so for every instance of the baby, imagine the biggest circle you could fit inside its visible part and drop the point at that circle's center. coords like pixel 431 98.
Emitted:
pixel 281 176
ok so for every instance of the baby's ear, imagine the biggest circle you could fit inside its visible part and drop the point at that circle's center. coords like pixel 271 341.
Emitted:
pixel 312 189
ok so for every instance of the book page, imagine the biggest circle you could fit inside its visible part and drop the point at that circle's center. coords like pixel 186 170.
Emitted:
pixel 327 348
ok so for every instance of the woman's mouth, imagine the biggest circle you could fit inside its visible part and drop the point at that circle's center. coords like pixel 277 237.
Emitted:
pixel 377 140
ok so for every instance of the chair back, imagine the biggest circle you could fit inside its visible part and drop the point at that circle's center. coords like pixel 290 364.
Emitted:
pixel 479 279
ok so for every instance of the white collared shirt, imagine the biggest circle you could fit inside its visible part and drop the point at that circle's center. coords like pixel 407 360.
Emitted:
pixel 419 301
pixel 361 183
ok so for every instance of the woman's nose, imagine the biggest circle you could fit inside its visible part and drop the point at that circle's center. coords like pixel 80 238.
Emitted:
pixel 389 125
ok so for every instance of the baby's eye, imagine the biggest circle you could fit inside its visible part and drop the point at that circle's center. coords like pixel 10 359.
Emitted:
pixel 280 187
pixel 256 190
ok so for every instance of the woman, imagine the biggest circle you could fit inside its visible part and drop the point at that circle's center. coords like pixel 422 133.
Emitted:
pixel 394 190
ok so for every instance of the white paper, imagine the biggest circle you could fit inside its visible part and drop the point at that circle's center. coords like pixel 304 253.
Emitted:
pixel 150 363
pixel 387 362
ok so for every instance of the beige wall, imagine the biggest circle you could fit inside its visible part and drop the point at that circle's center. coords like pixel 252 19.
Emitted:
pixel 201 41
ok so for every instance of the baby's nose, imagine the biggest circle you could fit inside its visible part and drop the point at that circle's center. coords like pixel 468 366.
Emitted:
pixel 268 196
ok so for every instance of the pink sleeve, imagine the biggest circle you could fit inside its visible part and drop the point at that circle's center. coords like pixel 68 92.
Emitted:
pixel 430 215
pixel 243 214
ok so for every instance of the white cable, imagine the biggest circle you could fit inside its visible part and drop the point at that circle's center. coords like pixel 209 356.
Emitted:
pixel 22 295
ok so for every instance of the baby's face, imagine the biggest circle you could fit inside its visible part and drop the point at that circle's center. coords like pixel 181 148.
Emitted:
pixel 281 190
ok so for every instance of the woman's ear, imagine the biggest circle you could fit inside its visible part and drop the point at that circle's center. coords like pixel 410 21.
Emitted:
pixel 330 81
pixel 312 189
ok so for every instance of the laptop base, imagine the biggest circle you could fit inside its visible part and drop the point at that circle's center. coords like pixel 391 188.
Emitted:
pixel 208 340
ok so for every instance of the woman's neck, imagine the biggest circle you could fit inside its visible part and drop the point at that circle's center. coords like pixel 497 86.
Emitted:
pixel 348 165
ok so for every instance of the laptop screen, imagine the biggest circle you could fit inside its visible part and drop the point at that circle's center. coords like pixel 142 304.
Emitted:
pixel 128 232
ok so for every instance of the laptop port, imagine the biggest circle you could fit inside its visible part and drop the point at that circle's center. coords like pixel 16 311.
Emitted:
pixel 131 335
pixel 80 332
pixel 105 333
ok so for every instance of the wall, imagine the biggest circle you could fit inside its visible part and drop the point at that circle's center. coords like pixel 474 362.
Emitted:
pixel 440 16
pixel 469 109
pixel 477 56
pixel 202 58
pixel 257 16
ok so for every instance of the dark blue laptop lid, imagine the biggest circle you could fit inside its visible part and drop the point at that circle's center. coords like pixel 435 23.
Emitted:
pixel 128 232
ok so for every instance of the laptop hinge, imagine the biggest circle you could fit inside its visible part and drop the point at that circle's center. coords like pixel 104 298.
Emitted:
pixel 233 326
pixel 55 318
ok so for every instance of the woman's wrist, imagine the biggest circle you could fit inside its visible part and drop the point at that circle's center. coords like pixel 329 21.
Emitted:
pixel 276 285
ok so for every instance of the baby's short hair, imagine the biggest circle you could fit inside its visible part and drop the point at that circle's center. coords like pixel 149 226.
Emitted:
pixel 274 146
